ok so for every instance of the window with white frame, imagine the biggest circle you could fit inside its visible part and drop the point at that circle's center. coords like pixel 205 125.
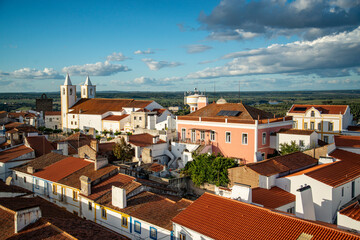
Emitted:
pixel 183 133
pixel 182 236
pixel 312 114
pixel 245 138
pixel 228 137
pixel 326 139
pixel 202 135
pixel 153 233
pixel 264 138
pixel 331 126
pixel 319 126
pixel 312 126
pixel 193 135
pixel 295 124
pixel 212 135
pixel 305 126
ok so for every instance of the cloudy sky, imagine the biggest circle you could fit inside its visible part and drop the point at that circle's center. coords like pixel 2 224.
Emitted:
pixel 164 45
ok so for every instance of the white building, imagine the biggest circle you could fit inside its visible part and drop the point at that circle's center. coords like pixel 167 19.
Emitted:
pixel 90 112
pixel 326 120
pixel 349 217
pixel 53 120
pixel 195 100
pixel 306 139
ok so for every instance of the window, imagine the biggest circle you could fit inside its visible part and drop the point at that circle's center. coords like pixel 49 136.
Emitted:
pixel 301 143
pixel 262 156
pixel 342 191
pixel 193 135
pixel 202 135
pixel 153 233
pixel 140 118
pixel 291 210
pixel 326 139
pixel 16 177
pixel 24 179
pixel 63 91
pixel 70 91
pixel 37 183
pixel 75 122
pixel 137 226
pixel 352 189
pixel 312 126
pixel 305 125
pixel 212 135
pixel 228 137
pixel 72 123
pixel 182 236
pixel 264 138
pixel 91 91
pixel 73 116
pixel 124 221
pixel 312 114
pixel 331 126
pixel 183 133
pixel 103 213
pixel 56 127
pixel 295 124
pixel 54 189
pixel 84 92
pixel 244 138
pixel 319 126
pixel 50 119
pixel 134 117
pixel 75 195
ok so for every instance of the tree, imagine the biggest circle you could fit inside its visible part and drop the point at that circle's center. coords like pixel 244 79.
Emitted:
pixel 210 169
pixel 286 148
pixel 123 151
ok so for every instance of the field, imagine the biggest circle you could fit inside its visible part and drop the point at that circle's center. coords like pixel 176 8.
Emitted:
pixel 275 102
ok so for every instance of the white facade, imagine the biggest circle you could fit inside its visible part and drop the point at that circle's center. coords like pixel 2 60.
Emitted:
pixel 304 141
pixel 115 126
pixel 327 125
pixel 347 222
pixel 53 121
pixel 188 233
pixel 5 167
pixel 68 99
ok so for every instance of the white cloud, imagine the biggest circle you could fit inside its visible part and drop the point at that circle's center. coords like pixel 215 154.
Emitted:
pixel 155 82
pixel 117 57
pixel 156 65
pixel 197 48
pixel 149 51
pixel 97 69
pixel 334 55
pixel 32 73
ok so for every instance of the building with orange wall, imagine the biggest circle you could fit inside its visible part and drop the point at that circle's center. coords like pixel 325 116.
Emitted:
pixel 233 129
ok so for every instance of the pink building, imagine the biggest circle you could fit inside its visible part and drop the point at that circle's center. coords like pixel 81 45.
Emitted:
pixel 233 129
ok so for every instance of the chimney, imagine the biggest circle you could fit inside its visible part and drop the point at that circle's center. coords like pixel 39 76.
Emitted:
pixel 94 144
pixel 241 192
pixel 118 198
pixel 85 185
pixel 304 205
pixel 30 170
pixel 155 139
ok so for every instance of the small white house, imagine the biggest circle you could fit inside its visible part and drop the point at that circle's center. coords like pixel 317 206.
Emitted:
pixel 53 120
pixel 304 138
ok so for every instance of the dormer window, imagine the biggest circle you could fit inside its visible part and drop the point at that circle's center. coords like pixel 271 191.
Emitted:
pixel 312 114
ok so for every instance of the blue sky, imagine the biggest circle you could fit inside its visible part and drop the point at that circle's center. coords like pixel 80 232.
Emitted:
pixel 178 45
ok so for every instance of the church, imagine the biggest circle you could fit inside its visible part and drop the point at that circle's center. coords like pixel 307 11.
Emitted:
pixel 108 114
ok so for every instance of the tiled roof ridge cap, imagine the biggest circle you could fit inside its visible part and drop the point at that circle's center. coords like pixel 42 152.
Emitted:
pixel 283 214
pixel 273 158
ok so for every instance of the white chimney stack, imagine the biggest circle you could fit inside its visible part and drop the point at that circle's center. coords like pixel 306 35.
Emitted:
pixel 241 192
pixel 304 205
pixel 118 197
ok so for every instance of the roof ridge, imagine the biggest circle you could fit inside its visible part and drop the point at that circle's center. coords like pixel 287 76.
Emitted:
pixel 62 232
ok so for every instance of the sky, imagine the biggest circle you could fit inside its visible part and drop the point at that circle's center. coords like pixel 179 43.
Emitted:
pixel 170 45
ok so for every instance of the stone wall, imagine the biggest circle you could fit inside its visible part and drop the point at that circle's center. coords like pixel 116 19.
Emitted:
pixel 243 175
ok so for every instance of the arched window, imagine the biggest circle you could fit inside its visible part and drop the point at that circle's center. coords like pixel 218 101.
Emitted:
pixel 312 113
pixel 70 91
pixel 63 91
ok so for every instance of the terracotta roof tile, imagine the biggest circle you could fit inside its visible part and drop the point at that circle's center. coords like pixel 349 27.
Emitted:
pixel 68 166
pixel 143 140
pixel 41 162
pixel 221 218
pixel 308 170
pixel 40 144
pixel 347 141
pixel 246 112
pixel 23 114
pixel 340 172
pixel 76 141
pixel 102 105
pixel 12 125
pixel 286 163
pixel 324 109
pixel 15 152
pixel 352 211
pixel 115 117
pixel 272 198
pixel 153 167
pixel 152 208
pixel 296 131
pixel 7 227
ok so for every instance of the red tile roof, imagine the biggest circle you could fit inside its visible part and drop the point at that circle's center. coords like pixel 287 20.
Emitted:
pixel 308 170
pixel 286 163
pixel 52 113
pixel 15 152
pixel 115 117
pixel 40 144
pixel 272 198
pixel 222 218
pixel 324 109
pixel 12 125
pixel 76 141
pixel 23 114
pixel 143 140
pixel 246 112
pixel 296 131
pixel 159 111
pixel 340 172
pixel 102 105
pixel 41 162
pixel 352 211
pixel 347 141
pixel 68 166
